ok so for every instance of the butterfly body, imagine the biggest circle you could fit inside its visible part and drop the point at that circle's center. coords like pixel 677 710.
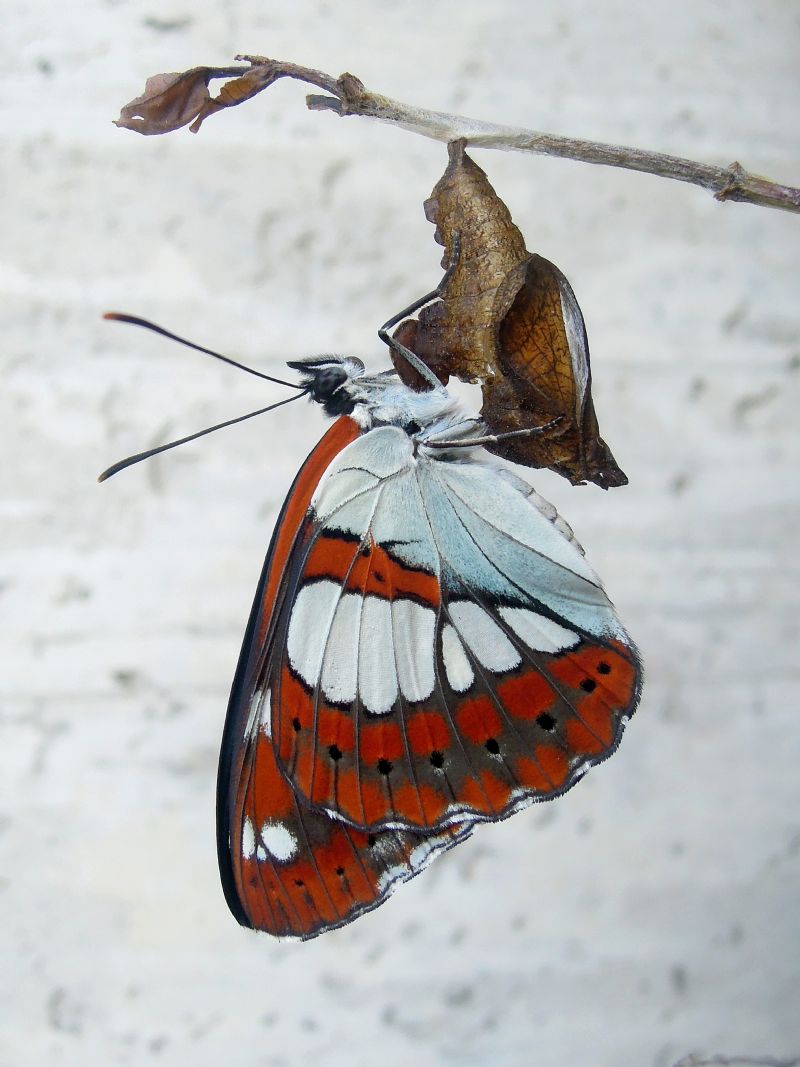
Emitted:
pixel 428 649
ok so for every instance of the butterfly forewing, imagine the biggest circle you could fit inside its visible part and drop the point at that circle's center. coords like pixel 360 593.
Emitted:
pixel 289 868
pixel 237 764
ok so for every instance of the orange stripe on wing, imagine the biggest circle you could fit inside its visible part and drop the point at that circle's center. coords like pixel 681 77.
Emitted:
pixel 371 571
pixel 380 574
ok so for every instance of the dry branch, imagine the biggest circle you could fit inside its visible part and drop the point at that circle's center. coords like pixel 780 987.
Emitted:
pixel 171 101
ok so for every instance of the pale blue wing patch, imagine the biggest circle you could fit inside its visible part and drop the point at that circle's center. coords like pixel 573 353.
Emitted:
pixel 502 505
pixel 339 488
pixel 401 525
pixel 382 452
pixel 495 543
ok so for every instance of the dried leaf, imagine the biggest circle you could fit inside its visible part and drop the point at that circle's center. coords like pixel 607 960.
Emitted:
pixel 168 102
pixel 509 321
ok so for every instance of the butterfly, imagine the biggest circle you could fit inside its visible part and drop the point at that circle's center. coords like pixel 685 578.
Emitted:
pixel 428 649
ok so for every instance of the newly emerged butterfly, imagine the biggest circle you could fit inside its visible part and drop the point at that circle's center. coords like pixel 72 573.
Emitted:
pixel 428 649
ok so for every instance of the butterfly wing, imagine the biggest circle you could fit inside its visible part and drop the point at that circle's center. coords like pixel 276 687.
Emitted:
pixel 445 654
pixel 296 872
pixel 287 868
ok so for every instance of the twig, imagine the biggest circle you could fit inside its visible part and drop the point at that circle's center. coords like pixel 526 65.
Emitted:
pixel 347 95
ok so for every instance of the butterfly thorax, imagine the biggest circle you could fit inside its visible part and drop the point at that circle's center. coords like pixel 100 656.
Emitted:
pixel 340 385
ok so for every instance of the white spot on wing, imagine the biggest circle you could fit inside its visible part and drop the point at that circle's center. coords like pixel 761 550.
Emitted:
pixel 391 875
pixel 266 714
pixel 456 663
pixel 484 636
pixel 377 677
pixel 260 713
pixel 248 839
pixel 421 854
pixel 252 714
pixel 418 858
pixel 312 616
pixel 537 631
pixel 279 841
pixel 413 630
pixel 340 668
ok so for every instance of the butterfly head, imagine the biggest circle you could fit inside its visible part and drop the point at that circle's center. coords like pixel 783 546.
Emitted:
pixel 326 379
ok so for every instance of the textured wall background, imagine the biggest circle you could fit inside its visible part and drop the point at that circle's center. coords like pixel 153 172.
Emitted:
pixel 651 912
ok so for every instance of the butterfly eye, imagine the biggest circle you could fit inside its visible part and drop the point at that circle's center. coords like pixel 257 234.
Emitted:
pixel 325 386
pixel 327 381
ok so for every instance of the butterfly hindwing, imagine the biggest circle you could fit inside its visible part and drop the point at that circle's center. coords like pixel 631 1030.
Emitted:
pixel 300 872
pixel 446 653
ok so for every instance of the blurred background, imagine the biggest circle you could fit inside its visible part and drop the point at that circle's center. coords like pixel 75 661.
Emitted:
pixel 649 914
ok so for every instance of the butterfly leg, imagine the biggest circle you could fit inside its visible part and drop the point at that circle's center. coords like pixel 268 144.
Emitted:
pixel 410 357
pixel 494 438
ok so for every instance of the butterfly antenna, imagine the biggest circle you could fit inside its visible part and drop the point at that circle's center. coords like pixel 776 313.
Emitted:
pixel 129 462
pixel 134 320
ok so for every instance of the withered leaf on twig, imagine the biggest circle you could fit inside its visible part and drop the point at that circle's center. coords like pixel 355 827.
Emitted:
pixel 170 101
pixel 508 320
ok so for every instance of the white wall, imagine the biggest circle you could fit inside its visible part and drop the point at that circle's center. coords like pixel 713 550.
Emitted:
pixel 649 913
